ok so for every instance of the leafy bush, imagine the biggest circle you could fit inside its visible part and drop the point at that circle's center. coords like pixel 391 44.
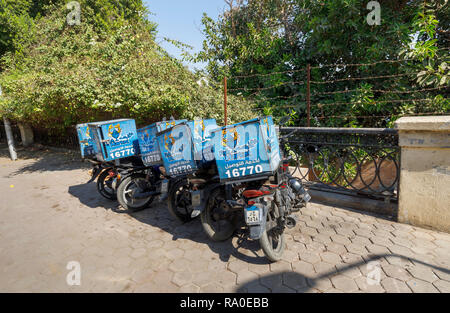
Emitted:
pixel 95 71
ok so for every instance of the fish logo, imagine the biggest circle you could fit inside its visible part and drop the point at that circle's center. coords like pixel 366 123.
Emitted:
pixel 224 136
pixel 197 129
pixel 168 140
pixel 114 131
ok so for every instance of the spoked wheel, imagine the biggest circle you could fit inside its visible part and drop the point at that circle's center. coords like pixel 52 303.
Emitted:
pixel 218 221
pixel 180 201
pixel 104 184
pixel 128 187
pixel 272 240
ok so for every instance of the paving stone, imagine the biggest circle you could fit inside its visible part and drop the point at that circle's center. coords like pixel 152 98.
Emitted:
pixel 363 233
pixel 182 278
pixel 283 289
pixel 344 283
pixel 306 239
pixel 330 257
pixel 324 269
pixel 335 247
pixel 421 286
pixel 322 238
pixel 348 270
pixel 423 273
pixel 442 275
pixel 351 258
pixel 272 280
pixel 294 280
pixel 256 287
pixel 442 285
pixel 356 248
pixel 369 286
pixel 280 266
pixel 381 241
pixel 315 247
pixel 237 266
pixel 226 278
pixel 310 257
pixel 212 288
pixel 290 256
pixel 376 249
pixel 422 235
pixel 304 268
pixel 322 284
pixel 308 231
pixel 340 239
pixel 245 276
pixel 397 272
pixel 392 285
pixel 190 288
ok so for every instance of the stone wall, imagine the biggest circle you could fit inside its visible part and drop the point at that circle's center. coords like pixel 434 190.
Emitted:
pixel 425 171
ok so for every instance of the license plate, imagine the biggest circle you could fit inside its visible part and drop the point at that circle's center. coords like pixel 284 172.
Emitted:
pixel 164 186
pixel 252 215
pixel 196 198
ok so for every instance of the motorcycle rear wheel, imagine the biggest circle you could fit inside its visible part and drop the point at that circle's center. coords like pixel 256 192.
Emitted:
pixel 215 225
pixel 179 201
pixel 273 242
pixel 125 190
pixel 104 185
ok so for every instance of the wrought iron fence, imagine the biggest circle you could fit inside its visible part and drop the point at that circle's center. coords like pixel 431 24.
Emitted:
pixel 363 161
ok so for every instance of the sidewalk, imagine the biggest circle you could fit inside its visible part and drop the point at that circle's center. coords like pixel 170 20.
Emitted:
pixel 50 217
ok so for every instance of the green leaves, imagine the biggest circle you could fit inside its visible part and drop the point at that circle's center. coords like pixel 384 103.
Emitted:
pixel 90 72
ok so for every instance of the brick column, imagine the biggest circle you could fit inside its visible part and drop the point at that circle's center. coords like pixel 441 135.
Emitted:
pixel 424 198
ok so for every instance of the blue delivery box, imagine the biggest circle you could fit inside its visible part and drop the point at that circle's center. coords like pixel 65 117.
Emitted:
pixel 85 140
pixel 187 146
pixel 246 149
pixel 148 144
pixel 114 139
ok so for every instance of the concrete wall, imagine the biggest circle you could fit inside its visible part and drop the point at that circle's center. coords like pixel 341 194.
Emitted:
pixel 425 171
pixel 26 132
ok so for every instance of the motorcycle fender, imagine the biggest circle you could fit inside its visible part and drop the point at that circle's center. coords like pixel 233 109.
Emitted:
pixel 95 172
pixel 198 202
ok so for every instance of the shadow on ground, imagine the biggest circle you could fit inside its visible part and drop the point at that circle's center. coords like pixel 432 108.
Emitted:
pixel 287 281
pixel 45 159
pixel 157 215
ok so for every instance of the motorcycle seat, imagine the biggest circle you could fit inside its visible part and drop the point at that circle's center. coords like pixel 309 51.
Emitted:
pixel 255 193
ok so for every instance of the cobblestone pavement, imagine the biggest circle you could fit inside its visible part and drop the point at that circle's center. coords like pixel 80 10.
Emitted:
pixel 50 216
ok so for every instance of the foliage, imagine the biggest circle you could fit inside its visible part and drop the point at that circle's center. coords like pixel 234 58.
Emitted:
pixel 261 37
pixel 109 66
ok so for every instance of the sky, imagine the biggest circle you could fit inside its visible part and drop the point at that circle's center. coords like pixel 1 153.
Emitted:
pixel 181 20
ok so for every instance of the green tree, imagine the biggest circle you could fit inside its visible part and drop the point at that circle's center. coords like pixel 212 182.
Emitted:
pixel 259 38
pixel 109 66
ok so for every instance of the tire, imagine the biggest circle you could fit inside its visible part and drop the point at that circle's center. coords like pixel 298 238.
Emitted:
pixel 104 185
pixel 179 201
pixel 127 186
pixel 272 243
pixel 218 228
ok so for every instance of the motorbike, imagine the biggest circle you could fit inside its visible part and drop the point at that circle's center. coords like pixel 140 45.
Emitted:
pixel 263 203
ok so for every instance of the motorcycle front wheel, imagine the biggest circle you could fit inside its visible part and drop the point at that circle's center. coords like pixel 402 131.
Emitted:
pixel 272 242
pixel 104 184
pixel 125 191
pixel 217 223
